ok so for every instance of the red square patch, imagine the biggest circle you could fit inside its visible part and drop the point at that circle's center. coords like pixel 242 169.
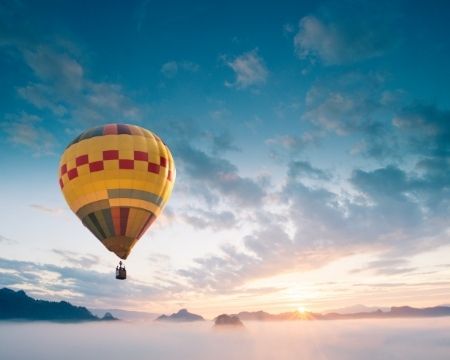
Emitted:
pixel 126 164
pixel 110 154
pixel 72 173
pixel 63 169
pixel 163 161
pixel 140 155
pixel 96 166
pixel 154 168
pixel 81 160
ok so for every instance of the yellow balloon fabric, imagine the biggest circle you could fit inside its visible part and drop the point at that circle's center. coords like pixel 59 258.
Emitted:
pixel 117 178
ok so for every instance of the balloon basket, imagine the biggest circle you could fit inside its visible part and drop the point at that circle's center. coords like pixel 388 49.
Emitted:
pixel 121 273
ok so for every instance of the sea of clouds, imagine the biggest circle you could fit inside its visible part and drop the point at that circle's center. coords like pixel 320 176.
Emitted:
pixel 347 339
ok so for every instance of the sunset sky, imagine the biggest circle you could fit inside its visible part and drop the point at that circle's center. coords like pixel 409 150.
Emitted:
pixel 311 140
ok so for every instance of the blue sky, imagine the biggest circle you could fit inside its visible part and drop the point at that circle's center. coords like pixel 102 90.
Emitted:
pixel 311 139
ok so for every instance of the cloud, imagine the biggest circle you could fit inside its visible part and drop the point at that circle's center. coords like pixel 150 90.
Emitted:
pixel 219 114
pixel 294 144
pixel 62 87
pixel 326 225
pixel 424 131
pixel 201 219
pixel 26 131
pixel 387 266
pixel 370 339
pixel 221 142
pixel 58 68
pixel 391 208
pixel 305 169
pixel 346 35
pixel 408 207
pixel 205 174
pixel 288 28
pixel 345 105
pixel 427 128
pixel 77 260
pixel 250 70
pixel 171 68
pixel 267 252
pixel 6 240
pixel 47 209
pixel 219 175
pixel 352 104
pixel 388 210
pixel 389 182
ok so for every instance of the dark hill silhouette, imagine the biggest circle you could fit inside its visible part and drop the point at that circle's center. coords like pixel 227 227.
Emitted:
pixel 394 312
pixel 181 316
pixel 125 314
pixel 225 320
pixel 16 305
pixel 108 317
pixel 256 316
pixel 407 311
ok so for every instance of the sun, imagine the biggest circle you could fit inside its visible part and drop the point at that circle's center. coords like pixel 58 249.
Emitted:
pixel 301 309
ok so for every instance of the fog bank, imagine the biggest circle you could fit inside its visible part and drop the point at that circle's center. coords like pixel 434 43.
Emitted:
pixel 347 339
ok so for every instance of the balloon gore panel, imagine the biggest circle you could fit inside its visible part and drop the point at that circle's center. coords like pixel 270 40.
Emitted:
pixel 117 178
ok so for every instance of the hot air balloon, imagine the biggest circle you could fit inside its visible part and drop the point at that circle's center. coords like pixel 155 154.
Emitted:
pixel 117 179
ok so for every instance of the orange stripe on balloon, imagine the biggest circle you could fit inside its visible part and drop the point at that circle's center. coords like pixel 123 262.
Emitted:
pixel 147 224
pixel 115 212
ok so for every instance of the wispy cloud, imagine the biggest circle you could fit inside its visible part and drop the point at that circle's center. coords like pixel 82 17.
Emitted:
pixel 293 144
pixel 305 169
pixel 141 14
pixel 219 174
pixel 250 70
pixel 201 219
pixel 426 127
pixel 346 104
pixel 6 240
pixel 76 259
pixel 47 209
pixel 335 38
pixel 268 251
pixel 352 104
pixel 27 131
pixel 63 88
pixel 388 266
pixel 171 68
pixel 221 142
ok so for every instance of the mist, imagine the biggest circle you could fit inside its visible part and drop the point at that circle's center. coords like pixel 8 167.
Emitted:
pixel 347 339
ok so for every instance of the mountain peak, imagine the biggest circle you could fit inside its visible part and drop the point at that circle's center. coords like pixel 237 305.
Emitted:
pixel 108 316
pixel 18 305
pixel 181 316
pixel 226 320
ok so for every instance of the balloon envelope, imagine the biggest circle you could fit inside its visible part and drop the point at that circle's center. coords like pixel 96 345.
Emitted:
pixel 117 178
